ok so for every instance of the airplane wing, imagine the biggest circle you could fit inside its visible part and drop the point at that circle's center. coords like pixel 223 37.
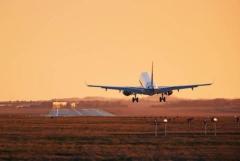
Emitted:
pixel 137 90
pixel 171 88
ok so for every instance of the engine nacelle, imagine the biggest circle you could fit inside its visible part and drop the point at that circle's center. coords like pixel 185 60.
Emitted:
pixel 127 93
pixel 169 93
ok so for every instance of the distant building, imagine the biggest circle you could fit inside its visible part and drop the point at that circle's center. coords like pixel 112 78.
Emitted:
pixel 59 104
pixel 62 104
pixel 73 105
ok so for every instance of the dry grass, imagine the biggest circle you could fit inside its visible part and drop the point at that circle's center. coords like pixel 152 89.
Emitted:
pixel 115 138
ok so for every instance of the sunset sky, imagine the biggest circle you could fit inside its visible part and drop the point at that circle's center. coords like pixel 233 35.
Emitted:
pixel 50 48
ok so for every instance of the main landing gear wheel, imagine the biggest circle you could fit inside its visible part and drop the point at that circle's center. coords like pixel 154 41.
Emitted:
pixel 135 99
pixel 162 99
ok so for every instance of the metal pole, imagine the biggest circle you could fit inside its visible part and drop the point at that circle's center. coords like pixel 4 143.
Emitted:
pixel 156 128
pixel 205 128
pixel 215 128
pixel 57 112
pixel 165 129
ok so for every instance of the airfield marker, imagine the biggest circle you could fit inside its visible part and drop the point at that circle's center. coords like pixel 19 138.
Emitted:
pixel 165 126
pixel 237 120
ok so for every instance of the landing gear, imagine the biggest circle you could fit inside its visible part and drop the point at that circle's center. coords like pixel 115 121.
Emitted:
pixel 162 98
pixel 135 98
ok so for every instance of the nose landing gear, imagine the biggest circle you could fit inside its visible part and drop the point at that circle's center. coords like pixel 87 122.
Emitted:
pixel 135 98
pixel 162 98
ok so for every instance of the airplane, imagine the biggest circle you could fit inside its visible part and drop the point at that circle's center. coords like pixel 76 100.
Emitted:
pixel 148 88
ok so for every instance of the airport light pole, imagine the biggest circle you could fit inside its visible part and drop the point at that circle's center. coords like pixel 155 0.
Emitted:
pixel 156 126
pixel 205 126
pixel 189 120
pixel 57 112
pixel 165 120
pixel 215 120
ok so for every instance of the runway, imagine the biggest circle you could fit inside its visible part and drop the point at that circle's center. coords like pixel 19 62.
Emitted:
pixel 70 112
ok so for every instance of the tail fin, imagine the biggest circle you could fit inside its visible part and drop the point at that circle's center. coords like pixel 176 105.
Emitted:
pixel 145 79
pixel 152 76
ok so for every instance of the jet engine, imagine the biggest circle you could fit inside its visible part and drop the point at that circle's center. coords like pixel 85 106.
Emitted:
pixel 127 93
pixel 169 93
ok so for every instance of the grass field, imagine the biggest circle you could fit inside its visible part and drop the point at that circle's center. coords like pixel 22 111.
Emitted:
pixel 115 138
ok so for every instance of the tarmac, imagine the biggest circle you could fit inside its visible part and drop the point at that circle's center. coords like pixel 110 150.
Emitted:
pixel 72 112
